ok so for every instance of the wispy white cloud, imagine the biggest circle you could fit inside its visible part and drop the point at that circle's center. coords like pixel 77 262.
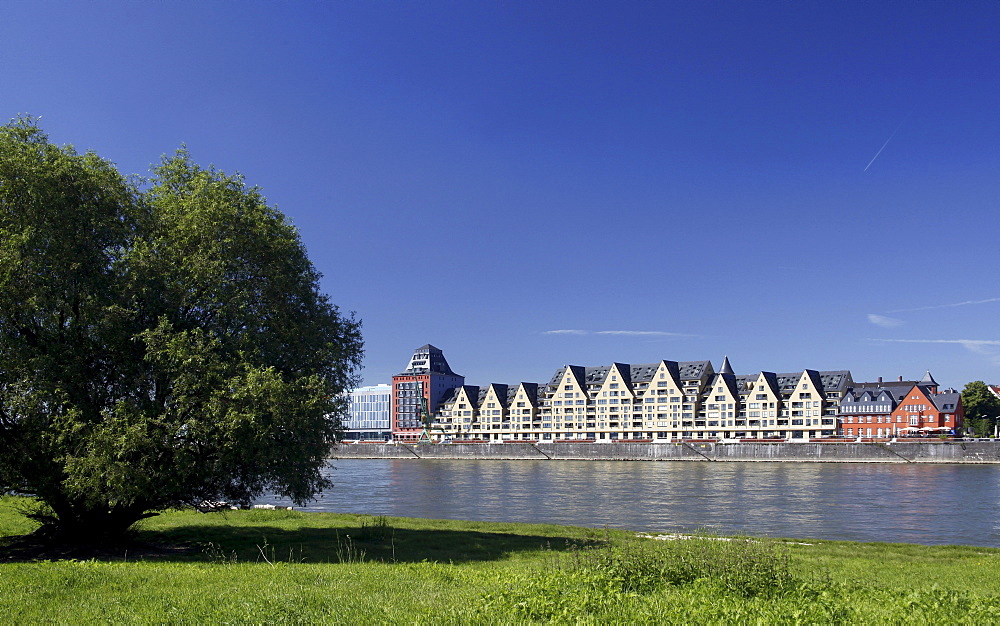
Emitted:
pixel 964 342
pixel 565 331
pixel 884 321
pixel 648 333
pixel 982 347
pixel 945 306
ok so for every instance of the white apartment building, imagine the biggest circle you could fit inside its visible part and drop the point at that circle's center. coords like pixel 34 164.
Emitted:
pixel 666 400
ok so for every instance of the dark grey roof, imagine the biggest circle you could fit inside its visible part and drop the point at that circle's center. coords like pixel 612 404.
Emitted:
pixel 596 375
pixel 428 360
pixel 448 396
pixel 928 379
pixel 947 399
pixel 743 381
pixel 695 369
pixel 643 373
pixel 726 367
pixel 866 395
pixel 870 395
pixel 887 383
pixel 836 380
pixel 787 381
pixel 897 390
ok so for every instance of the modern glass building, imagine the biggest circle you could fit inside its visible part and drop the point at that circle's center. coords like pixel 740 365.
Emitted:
pixel 369 413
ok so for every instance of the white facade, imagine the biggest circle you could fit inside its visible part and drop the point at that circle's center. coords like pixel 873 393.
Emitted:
pixel 368 417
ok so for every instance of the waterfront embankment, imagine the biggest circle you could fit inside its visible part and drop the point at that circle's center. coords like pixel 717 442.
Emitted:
pixel 839 452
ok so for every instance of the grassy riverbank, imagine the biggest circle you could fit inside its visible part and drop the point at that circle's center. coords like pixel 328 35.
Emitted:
pixel 288 566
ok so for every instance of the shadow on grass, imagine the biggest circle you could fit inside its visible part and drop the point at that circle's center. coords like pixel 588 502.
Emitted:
pixel 354 544
pixel 215 543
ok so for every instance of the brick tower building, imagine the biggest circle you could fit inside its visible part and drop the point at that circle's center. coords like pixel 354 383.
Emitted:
pixel 428 376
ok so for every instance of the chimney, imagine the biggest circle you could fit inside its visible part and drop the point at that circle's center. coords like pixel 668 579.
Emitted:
pixel 880 380
pixel 900 379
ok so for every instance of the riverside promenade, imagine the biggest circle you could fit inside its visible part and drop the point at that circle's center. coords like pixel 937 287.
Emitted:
pixel 834 452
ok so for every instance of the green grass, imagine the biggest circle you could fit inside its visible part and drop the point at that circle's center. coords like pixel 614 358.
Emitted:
pixel 292 567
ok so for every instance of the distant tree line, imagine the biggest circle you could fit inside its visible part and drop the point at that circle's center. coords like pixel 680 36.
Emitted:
pixel 982 409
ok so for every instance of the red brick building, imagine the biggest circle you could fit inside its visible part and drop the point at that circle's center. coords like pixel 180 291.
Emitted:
pixel 900 409
pixel 424 383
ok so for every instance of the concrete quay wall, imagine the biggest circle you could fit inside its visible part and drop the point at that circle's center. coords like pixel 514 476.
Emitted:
pixel 840 452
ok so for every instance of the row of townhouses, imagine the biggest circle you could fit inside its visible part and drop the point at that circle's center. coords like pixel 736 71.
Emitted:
pixel 660 401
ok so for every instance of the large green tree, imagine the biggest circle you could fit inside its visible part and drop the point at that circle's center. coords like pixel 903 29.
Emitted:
pixel 982 408
pixel 162 342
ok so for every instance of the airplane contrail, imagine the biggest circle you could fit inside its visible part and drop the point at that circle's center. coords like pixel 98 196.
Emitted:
pixel 883 146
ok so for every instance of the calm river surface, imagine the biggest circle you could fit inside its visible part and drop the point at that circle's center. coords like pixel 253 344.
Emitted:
pixel 927 504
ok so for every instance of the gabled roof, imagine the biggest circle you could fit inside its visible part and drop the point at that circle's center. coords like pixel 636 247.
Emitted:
pixel 897 390
pixel 451 395
pixel 835 380
pixel 729 381
pixel 579 373
pixel 771 379
pixel 874 394
pixel 530 390
pixel 625 370
pixel 499 390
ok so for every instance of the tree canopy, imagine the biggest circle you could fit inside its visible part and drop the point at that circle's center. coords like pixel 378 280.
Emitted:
pixel 162 342
pixel 982 408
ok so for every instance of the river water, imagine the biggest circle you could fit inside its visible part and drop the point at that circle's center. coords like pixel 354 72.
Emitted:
pixel 925 504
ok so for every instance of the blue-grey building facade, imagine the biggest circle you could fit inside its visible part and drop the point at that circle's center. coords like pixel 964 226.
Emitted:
pixel 368 418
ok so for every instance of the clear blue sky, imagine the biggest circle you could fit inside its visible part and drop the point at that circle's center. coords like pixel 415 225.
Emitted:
pixel 664 180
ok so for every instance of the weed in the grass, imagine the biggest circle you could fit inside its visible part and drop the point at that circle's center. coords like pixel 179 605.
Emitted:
pixel 743 566
pixel 595 580
pixel 375 530
pixel 216 554
pixel 270 556
pixel 347 551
